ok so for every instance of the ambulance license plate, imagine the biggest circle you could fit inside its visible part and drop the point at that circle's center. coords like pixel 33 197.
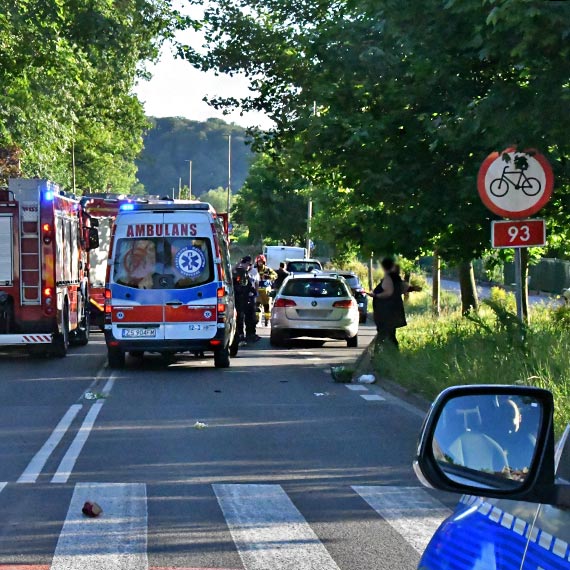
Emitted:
pixel 139 333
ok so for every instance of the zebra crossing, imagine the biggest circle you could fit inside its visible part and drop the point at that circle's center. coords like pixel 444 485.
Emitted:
pixel 267 528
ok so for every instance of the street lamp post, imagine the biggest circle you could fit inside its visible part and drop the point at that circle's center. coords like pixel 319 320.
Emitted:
pixel 189 178
pixel 229 176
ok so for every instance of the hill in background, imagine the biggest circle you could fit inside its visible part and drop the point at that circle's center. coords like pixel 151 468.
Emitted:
pixel 174 140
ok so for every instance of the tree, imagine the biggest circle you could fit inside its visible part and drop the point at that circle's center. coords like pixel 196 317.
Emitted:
pixel 67 70
pixel 218 197
pixel 405 112
pixel 272 205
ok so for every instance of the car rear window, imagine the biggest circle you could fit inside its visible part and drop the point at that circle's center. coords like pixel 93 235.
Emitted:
pixel 163 263
pixel 314 288
pixel 302 266
pixel 352 281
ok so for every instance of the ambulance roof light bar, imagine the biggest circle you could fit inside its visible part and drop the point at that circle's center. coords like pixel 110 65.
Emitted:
pixel 170 206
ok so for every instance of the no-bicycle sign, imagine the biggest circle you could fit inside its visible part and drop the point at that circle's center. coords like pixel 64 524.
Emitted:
pixel 515 184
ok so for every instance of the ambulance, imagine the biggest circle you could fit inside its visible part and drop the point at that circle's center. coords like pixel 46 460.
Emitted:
pixel 169 283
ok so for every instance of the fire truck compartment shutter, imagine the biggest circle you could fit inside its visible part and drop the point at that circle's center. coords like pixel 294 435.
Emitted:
pixel 6 259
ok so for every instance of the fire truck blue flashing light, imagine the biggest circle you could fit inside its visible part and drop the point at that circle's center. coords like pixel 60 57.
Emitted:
pixel 48 195
pixel 126 207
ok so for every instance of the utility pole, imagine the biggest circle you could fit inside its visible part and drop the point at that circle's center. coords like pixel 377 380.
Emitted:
pixel 189 178
pixel 229 176
pixel 72 163
pixel 309 217
pixel 179 187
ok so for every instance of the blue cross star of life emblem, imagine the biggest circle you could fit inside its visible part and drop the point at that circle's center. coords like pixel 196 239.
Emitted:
pixel 190 261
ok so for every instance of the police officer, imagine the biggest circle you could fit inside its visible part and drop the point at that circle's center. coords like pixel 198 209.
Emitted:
pixel 245 295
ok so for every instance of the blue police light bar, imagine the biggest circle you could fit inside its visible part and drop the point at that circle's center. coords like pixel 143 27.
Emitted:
pixel 126 207
pixel 49 195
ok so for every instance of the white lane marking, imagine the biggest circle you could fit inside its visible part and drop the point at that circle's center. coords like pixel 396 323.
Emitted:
pixel 372 397
pixel 314 359
pixel 356 387
pixel 410 511
pixel 39 460
pixel 117 540
pixel 2 485
pixel 66 466
pixel 268 530
pixel 109 385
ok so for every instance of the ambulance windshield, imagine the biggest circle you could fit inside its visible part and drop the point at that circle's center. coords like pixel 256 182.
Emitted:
pixel 163 263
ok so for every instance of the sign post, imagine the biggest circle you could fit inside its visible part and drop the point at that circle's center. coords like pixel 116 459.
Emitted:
pixel 515 185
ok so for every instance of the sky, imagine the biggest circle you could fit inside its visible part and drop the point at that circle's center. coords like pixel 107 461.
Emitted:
pixel 177 89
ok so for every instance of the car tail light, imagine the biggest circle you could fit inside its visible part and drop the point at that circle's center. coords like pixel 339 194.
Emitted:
pixel 285 303
pixel 345 304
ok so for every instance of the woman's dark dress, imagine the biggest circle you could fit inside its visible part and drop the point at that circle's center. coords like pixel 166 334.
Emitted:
pixel 389 313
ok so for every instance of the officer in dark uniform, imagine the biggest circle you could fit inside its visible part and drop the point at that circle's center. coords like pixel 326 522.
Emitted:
pixel 245 294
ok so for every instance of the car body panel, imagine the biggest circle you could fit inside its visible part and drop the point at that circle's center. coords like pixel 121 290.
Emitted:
pixel 497 534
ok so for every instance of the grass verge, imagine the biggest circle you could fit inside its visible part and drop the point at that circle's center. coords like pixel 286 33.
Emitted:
pixel 450 350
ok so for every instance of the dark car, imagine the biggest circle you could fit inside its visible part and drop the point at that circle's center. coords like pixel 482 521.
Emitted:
pixel 357 292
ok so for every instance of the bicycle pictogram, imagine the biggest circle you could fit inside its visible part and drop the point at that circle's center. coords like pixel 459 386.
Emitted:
pixel 517 179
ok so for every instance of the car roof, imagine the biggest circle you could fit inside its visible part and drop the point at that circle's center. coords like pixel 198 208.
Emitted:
pixel 307 259
pixel 312 275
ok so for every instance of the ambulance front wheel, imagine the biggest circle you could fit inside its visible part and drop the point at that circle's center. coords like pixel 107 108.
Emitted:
pixel 115 357
pixel 222 357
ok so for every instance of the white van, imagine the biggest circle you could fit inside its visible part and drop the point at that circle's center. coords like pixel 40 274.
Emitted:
pixel 275 254
pixel 169 283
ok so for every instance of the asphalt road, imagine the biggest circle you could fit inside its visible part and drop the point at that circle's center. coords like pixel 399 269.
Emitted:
pixel 290 471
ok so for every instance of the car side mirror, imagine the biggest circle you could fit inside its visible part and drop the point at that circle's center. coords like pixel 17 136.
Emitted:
pixel 495 441
pixel 93 238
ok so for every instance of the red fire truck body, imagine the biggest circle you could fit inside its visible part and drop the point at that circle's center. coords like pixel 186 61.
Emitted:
pixel 44 288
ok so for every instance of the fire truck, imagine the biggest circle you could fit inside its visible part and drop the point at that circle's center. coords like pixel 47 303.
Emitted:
pixel 44 267
pixel 103 208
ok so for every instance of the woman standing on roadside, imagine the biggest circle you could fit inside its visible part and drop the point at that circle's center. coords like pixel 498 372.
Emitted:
pixel 387 302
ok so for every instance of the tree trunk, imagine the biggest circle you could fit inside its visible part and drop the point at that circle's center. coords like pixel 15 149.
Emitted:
pixel 524 279
pixel 469 301
pixel 436 285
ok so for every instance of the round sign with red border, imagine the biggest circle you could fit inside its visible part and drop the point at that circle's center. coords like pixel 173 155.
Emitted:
pixel 515 184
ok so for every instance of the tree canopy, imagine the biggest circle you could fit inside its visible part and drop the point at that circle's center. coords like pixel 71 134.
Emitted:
pixel 67 71
pixel 389 109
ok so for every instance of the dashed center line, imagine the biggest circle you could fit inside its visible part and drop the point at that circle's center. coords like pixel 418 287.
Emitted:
pixel 39 460
pixel 67 463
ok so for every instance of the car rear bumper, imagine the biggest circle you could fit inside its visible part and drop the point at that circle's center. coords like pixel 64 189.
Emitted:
pixel 339 334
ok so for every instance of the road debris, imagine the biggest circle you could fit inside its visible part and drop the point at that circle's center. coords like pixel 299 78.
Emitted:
pixel 366 379
pixel 200 425
pixel 91 509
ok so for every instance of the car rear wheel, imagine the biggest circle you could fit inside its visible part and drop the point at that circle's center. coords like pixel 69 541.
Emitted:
pixel 352 342
pixel 277 338
pixel 115 357
pixel 222 358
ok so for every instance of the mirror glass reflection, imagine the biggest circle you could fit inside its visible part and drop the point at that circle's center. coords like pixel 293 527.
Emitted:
pixel 493 435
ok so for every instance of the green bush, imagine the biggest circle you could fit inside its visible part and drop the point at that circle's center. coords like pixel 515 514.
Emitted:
pixel 439 352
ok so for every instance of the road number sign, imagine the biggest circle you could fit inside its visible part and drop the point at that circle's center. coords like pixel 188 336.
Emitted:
pixel 515 184
pixel 518 233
